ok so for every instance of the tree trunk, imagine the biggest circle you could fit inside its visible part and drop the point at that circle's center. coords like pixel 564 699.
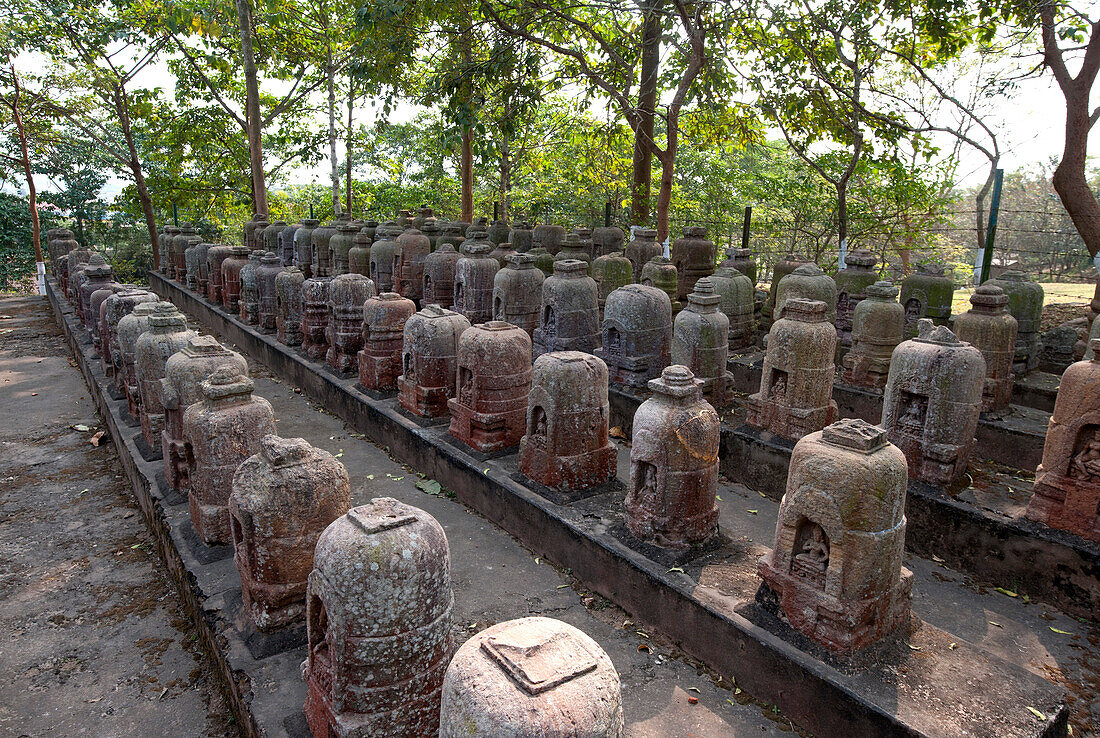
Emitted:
pixel 979 205
pixel 32 194
pixel 467 175
pixel 123 108
pixel 252 112
pixel 348 141
pixel 643 132
pixel 1069 178
pixel 505 179
pixel 330 75
pixel 842 211
pixel 664 194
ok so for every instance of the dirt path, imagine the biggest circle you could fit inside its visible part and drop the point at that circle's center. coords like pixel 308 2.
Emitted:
pixel 92 640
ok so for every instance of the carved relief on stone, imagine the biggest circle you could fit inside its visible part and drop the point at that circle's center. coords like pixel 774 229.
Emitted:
pixel 347 293
pixel 231 278
pixel 316 292
pixel 700 341
pixel 439 276
pixel 637 334
pixel 288 306
pixel 220 432
pixel 430 360
pixel 283 498
pixel 517 292
pixel 674 464
pixel 836 568
pixel 694 256
pixel 570 310
pixel 1067 483
pixel 215 285
pixel 878 326
pixel 932 402
pixel 181 387
pixel 266 273
pixel 796 385
pixel 379 625
pixel 489 409
pixel 989 327
pixel 167 334
pixel 384 320
pixel 475 273
pixel 567 446
pixel 130 327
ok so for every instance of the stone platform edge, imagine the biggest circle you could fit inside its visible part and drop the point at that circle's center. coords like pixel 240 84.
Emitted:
pixel 812 694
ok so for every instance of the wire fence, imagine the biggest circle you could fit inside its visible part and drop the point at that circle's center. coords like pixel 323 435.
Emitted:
pixel 1040 242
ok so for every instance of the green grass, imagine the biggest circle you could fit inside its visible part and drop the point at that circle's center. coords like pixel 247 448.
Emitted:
pixel 1055 293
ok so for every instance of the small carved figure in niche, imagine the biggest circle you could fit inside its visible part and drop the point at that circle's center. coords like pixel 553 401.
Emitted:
pixel 779 387
pixel 466 386
pixel 914 412
pixel 811 559
pixel 648 479
pixel 614 344
pixel 912 311
pixel 550 327
pixel 1086 463
pixel 538 426
pixel 844 304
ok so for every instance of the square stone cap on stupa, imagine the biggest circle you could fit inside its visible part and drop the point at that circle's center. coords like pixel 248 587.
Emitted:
pixel 538 659
pixel 855 434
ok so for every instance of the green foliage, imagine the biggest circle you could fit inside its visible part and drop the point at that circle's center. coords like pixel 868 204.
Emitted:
pixel 16 245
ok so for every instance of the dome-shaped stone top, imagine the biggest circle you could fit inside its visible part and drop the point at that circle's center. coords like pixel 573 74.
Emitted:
pixel 227 381
pixel 883 289
pixel 805 311
pixel 929 332
pixel 675 381
pixel 389 563
pixel 989 296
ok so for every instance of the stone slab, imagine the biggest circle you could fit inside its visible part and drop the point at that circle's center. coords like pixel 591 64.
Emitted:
pixel 1037 390
pixel 966 686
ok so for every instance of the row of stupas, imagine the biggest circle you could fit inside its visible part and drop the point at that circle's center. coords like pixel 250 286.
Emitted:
pixel 541 386
pixel 372 583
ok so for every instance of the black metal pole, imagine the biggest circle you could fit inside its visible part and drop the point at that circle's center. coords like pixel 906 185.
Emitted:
pixel 746 226
pixel 991 229
pixel 175 216
pixel 607 214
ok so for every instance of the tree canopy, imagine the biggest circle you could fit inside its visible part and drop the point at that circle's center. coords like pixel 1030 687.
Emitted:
pixel 836 122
